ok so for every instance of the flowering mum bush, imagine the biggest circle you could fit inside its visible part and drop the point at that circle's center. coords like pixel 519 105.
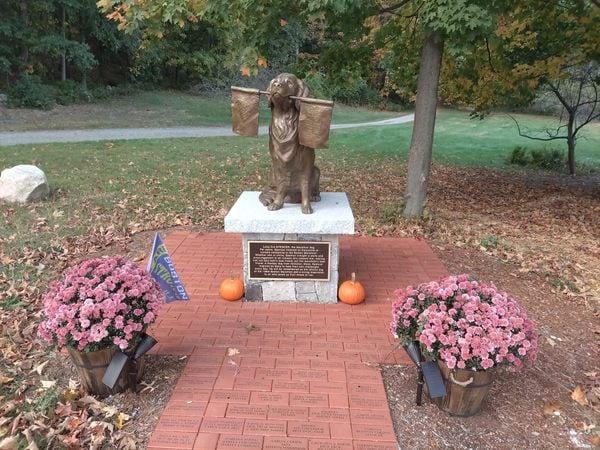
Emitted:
pixel 467 324
pixel 100 303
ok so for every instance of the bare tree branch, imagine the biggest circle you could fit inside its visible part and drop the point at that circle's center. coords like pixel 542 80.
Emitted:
pixel 537 138
pixel 394 7
pixel 580 91
pixel 554 88
pixel 489 54
pixel 591 116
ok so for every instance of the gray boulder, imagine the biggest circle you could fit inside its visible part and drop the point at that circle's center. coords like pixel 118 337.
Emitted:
pixel 23 184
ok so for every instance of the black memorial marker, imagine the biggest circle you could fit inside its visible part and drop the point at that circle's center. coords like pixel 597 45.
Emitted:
pixel 120 360
pixel 427 371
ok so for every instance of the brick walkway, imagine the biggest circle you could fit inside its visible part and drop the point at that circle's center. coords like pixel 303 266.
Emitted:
pixel 283 375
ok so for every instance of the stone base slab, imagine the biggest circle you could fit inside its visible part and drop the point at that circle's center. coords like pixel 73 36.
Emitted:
pixel 332 215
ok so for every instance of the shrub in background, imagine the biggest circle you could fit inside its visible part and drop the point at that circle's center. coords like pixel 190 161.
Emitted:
pixel 519 156
pixel 29 92
pixel 69 92
pixel 549 159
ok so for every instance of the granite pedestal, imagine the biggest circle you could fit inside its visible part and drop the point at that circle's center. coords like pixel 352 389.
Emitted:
pixel 300 239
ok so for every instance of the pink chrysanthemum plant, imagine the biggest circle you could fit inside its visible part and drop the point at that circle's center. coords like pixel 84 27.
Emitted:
pixel 465 323
pixel 100 303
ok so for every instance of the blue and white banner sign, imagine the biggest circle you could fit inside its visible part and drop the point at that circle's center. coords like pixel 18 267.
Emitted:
pixel 161 268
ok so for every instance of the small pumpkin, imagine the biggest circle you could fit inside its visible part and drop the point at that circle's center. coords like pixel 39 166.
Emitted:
pixel 351 291
pixel 231 289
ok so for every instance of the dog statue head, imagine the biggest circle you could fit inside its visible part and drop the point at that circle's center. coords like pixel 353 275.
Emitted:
pixel 282 87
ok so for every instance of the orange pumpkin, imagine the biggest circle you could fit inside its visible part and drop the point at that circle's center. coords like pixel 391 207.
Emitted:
pixel 351 291
pixel 231 289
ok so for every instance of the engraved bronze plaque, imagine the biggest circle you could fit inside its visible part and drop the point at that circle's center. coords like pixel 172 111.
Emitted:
pixel 289 260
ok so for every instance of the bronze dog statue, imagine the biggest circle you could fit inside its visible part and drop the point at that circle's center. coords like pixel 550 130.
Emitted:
pixel 294 177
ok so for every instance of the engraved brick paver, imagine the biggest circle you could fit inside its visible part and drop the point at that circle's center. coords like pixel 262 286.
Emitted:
pixel 302 377
pixel 220 425
pixel 370 445
pixel 177 423
pixel 230 396
pixel 249 411
pixel 237 442
pixel 285 443
pixel 269 398
pixel 369 416
pixel 288 412
pixel 265 427
pixel 329 444
pixel 166 439
pixel 185 408
pixel 374 432
pixel 329 415
pixel 291 386
pixel 309 399
pixel 308 429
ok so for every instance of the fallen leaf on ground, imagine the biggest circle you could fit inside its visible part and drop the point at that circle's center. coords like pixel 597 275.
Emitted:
pixel 121 419
pixel 579 396
pixel 250 328
pixel 9 443
pixel 582 426
pixel 552 408
pixel 40 367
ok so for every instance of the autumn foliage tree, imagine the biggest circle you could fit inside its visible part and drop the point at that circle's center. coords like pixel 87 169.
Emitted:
pixel 539 49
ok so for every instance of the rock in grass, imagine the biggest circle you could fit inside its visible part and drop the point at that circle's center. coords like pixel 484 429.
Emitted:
pixel 23 184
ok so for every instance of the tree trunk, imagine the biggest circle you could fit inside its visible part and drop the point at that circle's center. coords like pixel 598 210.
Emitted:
pixel 63 59
pixel 571 140
pixel 419 158
pixel 24 6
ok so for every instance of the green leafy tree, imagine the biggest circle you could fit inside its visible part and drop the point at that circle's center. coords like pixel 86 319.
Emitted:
pixel 38 36
pixel 61 39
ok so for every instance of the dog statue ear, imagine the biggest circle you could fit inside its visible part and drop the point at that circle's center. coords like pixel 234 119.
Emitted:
pixel 302 92
pixel 269 100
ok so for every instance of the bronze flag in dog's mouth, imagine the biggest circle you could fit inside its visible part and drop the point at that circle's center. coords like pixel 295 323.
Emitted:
pixel 313 125
pixel 314 122
pixel 244 110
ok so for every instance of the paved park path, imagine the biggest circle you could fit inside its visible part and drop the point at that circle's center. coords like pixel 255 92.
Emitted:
pixel 279 375
pixel 41 137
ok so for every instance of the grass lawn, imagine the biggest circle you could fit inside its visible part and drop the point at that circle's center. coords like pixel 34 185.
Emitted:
pixel 462 141
pixel 154 109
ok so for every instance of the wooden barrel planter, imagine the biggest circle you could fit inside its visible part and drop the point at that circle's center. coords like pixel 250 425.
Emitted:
pixel 91 367
pixel 466 390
